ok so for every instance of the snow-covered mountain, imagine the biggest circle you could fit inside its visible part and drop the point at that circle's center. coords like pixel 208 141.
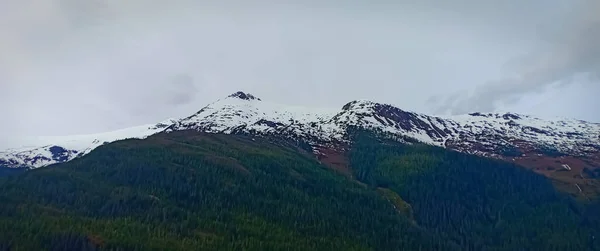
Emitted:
pixel 493 135
pixel 51 150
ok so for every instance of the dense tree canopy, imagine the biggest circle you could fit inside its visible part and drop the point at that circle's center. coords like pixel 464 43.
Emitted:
pixel 479 203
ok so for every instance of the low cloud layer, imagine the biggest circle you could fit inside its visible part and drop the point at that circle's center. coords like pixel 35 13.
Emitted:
pixel 568 54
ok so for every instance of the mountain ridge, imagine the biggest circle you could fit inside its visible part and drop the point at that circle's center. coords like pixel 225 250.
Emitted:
pixel 505 136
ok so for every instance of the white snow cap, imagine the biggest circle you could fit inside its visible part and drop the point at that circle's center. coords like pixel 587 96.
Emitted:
pixel 477 133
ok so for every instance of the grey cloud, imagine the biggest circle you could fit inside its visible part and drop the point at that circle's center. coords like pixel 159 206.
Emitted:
pixel 570 50
pixel 182 90
pixel 70 67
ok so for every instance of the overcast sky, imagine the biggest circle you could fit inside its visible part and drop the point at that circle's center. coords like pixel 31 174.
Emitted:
pixel 85 66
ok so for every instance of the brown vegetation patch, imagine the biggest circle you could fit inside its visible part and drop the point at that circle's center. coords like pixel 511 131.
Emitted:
pixel 575 181
pixel 523 145
pixel 334 159
pixel 96 240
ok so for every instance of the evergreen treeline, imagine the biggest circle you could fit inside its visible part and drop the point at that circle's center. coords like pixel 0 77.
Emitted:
pixel 192 191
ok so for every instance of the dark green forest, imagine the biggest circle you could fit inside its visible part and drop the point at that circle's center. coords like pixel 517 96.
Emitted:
pixel 478 203
pixel 7 171
pixel 193 191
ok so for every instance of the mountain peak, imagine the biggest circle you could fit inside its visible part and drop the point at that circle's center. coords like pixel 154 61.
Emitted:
pixel 359 103
pixel 244 96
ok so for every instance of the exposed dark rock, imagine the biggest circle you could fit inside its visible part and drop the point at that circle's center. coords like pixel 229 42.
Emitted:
pixel 59 154
pixel 270 123
pixel 244 96
pixel 511 116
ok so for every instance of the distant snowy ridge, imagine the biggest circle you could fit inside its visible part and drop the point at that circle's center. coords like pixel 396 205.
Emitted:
pixel 483 134
pixel 53 150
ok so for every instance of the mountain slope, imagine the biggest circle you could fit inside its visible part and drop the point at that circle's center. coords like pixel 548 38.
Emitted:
pixel 482 202
pixel 187 190
pixel 508 136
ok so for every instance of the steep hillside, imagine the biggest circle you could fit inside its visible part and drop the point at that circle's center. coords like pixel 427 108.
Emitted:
pixel 485 203
pixel 187 190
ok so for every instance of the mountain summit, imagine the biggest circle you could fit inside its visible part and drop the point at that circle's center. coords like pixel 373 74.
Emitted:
pixel 506 136
pixel 244 96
